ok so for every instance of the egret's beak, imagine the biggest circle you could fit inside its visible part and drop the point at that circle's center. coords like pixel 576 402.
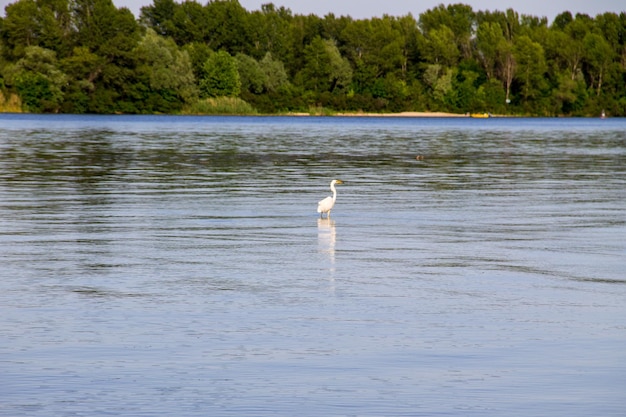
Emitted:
pixel 339 182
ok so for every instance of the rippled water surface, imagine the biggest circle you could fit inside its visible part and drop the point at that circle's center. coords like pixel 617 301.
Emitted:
pixel 176 266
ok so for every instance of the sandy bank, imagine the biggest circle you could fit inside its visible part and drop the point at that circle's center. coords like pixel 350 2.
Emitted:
pixel 401 114
pixel 404 114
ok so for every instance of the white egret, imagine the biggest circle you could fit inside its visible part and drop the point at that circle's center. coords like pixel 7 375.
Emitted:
pixel 325 205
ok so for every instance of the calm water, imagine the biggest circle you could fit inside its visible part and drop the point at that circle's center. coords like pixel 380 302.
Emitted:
pixel 176 266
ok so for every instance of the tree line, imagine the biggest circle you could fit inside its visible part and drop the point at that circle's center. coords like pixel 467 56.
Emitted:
pixel 87 56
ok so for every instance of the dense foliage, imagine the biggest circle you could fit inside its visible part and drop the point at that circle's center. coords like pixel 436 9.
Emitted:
pixel 83 56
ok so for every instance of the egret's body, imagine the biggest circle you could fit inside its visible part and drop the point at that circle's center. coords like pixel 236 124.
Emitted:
pixel 326 205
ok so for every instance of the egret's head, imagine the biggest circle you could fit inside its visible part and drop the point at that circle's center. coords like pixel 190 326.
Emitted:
pixel 338 181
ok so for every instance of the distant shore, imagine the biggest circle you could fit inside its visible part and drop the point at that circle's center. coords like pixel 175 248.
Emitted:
pixel 405 114
pixel 400 114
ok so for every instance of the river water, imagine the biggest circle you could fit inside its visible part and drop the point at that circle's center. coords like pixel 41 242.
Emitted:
pixel 158 265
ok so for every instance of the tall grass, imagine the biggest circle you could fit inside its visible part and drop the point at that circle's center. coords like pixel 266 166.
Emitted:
pixel 220 105
pixel 321 111
pixel 11 104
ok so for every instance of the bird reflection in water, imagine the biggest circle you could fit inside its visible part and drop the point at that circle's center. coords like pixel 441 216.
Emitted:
pixel 326 238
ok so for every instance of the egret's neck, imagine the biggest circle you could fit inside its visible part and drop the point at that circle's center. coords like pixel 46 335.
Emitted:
pixel 332 188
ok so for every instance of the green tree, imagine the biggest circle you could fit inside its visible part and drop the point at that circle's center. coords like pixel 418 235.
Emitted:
pixel 270 30
pixel 275 74
pixel 169 69
pixel 571 47
pixel 380 51
pixel 198 53
pixel 409 40
pixel 360 51
pixel 494 96
pixel 450 58
pixel 19 28
pixel 441 47
pixel 158 17
pixel 83 68
pixel 569 95
pixel 44 23
pixel 189 23
pixel 39 80
pixel 389 47
pixel 112 34
pixel 324 69
pixel 439 80
pixel 220 76
pixel 599 55
pixel 531 66
pixel 459 18
pixel 495 53
pixel 562 20
pixel 227 26
pixel 489 37
pixel 469 97
pixel 612 28
pixel 303 30
pixel 103 28
pixel 503 51
pixel 253 78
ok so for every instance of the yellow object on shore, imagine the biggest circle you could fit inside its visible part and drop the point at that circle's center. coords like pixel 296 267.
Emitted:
pixel 480 115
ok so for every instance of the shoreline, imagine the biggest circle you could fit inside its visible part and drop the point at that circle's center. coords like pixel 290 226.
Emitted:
pixel 404 114
pixel 400 114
